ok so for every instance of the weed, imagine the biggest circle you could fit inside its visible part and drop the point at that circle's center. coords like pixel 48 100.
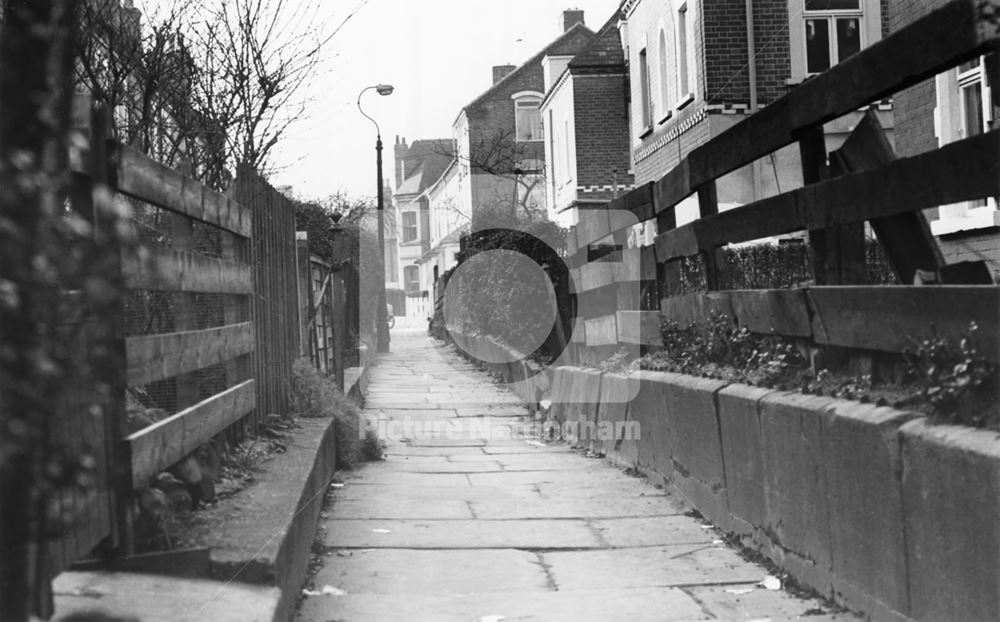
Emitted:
pixel 315 394
pixel 959 384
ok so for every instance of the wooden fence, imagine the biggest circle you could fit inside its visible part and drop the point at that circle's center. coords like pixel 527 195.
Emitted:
pixel 199 339
pixel 325 319
pixel 863 181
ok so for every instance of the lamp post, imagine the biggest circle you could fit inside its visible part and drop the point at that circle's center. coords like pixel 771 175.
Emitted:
pixel 381 320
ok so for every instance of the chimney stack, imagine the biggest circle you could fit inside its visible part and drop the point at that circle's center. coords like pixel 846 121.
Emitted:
pixel 500 72
pixel 571 17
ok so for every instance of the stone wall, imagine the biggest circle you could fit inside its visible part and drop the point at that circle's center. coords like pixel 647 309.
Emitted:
pixel 873 507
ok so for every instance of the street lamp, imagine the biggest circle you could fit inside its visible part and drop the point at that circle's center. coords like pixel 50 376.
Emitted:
pixel 381 319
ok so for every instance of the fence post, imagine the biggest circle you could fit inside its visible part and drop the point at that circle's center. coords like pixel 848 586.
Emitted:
pixel 338 319
pixel 303 271
pixel 112 372
pixel 708 205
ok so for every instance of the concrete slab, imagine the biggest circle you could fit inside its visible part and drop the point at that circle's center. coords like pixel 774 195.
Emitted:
pixel 154 598
pixel 386 507
pixel 407 413
pixel 455 480
pixel 579 507
pixel 394 571
pixel 739 426
pixel 654 531
pixel 461 534
pixel 635 605
pixel 794 481
pixel 406 450
pixel 751 601
pixel 590 476
pixel 951 496
pixel 663 566
pixel 443 466
pixel 433 494
pixel 861 450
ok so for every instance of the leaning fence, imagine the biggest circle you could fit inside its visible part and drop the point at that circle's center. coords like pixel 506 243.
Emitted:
pixel 860 182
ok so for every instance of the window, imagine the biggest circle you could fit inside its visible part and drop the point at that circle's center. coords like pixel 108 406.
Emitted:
pixel 409 226
pixel 528 118
pixel 974 116
pixel 683 79
pixel 411 279
pixel 965 108
pixel 832 32
pixel 644 102
pixel 664 91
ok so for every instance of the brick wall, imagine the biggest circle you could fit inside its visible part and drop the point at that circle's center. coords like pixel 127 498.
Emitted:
pixel 983 244
pixel 601 130
pixel 725 28
pixel 770 23
pixel 914 106
pixel 492 115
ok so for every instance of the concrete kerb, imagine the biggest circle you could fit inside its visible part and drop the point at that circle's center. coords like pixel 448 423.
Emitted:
pixel 654 447
pixel 612 419
pixel 260 546
pixel 869 505
pixel 863 466
pixel 581 410
pixel 951 505
pixel 739 427
pixel 698 465
pixel 797 522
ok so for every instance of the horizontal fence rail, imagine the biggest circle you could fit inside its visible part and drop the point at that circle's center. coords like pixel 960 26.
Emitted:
pixel 865 184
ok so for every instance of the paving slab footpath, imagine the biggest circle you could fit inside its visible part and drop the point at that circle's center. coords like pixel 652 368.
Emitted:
pixel 472 518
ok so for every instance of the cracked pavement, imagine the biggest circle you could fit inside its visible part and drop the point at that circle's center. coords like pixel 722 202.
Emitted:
pixel 469 518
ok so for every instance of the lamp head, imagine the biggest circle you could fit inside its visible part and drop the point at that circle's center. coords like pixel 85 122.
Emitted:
pixel 384 89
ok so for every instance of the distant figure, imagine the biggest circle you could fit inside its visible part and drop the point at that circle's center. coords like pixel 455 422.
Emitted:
pixel 389 317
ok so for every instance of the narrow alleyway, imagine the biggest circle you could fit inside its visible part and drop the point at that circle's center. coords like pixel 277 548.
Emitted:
pixel 478 525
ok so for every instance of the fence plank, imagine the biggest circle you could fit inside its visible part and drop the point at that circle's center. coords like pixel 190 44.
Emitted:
pixel 781 311
pixel 592 227
pixel 692 309
pixel 959 171
pixel 148 180
pixel 944 38
pixel 639 327
pixel 892 318
pixel 638 201
pixel 157 357
pixel 602 331
pixel 178 271
pixel 165 442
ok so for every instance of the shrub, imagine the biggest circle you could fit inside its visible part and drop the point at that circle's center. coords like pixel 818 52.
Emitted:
pixel 717 348
pixel 958 383
pixel 315 394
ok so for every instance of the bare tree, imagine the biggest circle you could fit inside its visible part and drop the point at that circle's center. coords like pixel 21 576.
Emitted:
pixel 517 167
pixel 256 58
pixel 202 86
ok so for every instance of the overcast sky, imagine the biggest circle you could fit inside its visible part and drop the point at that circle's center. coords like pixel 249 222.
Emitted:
pixel 437 53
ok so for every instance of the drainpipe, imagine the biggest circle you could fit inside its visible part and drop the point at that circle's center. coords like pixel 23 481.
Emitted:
pixel 752 76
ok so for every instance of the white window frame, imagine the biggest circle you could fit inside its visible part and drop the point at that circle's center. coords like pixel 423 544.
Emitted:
pixel 524 97
pixel 870 13
pixel 645 94
pixel 407 282
pixel 951 124
pixel 404 227
pixel 685 51
pixel 663 74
